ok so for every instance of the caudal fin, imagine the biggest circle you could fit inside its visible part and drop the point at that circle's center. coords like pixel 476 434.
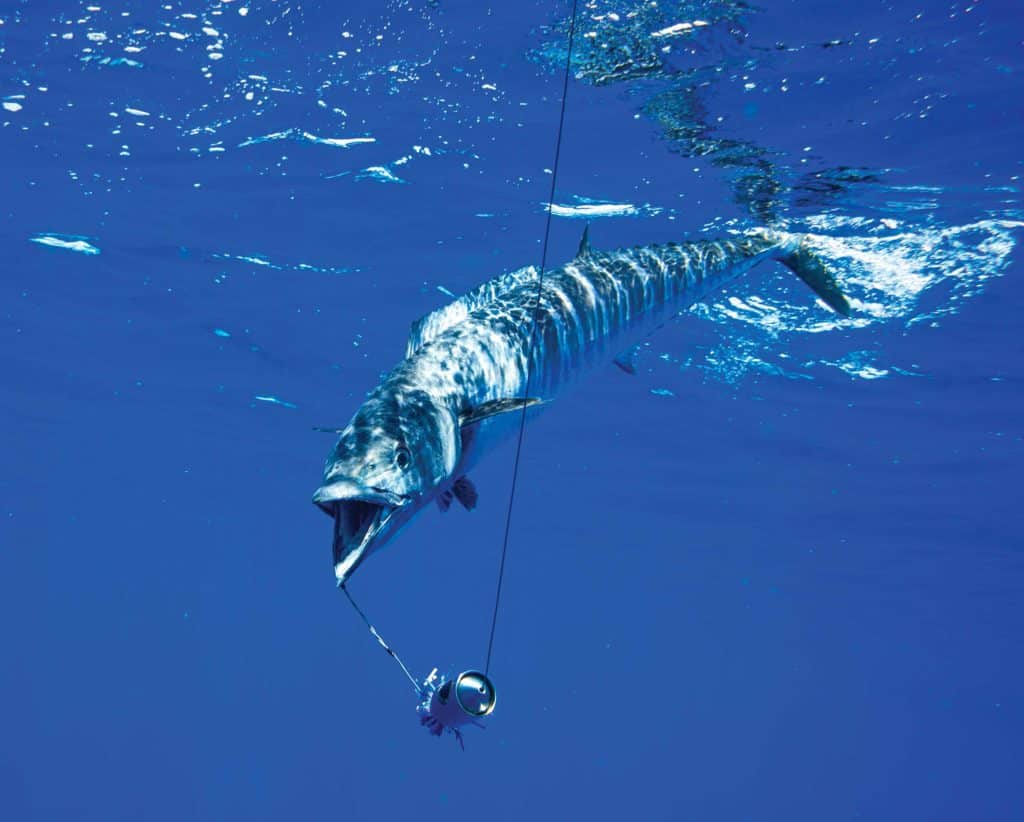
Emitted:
pixel 810 268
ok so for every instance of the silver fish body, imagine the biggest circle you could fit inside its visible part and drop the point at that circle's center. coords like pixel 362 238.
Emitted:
pixel 471 365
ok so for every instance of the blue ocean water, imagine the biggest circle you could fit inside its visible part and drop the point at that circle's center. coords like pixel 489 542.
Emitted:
pixel 776 574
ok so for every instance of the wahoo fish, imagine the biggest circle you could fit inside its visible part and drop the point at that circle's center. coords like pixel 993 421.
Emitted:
pixel 475 366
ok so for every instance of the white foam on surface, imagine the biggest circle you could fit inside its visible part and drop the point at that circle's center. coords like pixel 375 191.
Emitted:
pixel 298 134
pixel 265 262
pixel 272 400
pixel 590 211
pixel 379 174
pixel 68 242
pixel 585 208
pixel 677 29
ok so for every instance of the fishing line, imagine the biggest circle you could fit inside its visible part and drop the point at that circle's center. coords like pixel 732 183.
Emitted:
pixel 390 651
pixel 533 336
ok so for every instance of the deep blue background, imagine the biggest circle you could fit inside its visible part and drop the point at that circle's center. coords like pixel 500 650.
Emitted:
pixel 759 598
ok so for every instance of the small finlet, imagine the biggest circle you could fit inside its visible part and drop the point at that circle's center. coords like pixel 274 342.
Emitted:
pixel 627 360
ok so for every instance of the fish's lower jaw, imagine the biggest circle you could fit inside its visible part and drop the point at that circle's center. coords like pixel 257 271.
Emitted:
pixel 359 527
pixel 344 567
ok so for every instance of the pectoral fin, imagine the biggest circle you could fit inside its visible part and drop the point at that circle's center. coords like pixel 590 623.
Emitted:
pixel 462 490
pixel 495 407
pixel 465 492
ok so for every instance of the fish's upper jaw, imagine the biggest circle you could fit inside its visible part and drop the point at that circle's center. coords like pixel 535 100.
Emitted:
pixel 361 515
pixel 328 495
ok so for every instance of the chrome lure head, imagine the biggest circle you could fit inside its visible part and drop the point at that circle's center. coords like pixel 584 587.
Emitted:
pixel 386 465
pixel 452 703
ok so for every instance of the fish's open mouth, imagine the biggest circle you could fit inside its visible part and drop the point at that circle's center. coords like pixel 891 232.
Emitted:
pixel 359 515
pixel 356 520
pixel 356 523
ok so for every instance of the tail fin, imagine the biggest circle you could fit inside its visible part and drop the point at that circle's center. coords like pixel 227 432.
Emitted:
pixel 809 267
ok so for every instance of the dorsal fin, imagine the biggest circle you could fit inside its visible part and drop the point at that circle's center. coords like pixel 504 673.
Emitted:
pixel 584 250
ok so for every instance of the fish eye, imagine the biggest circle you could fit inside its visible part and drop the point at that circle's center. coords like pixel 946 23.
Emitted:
pixel 403 458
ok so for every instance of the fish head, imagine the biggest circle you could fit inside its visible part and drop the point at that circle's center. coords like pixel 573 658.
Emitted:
pixel 387 464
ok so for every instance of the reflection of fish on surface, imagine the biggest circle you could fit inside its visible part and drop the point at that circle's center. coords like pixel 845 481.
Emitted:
pixel 473 366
